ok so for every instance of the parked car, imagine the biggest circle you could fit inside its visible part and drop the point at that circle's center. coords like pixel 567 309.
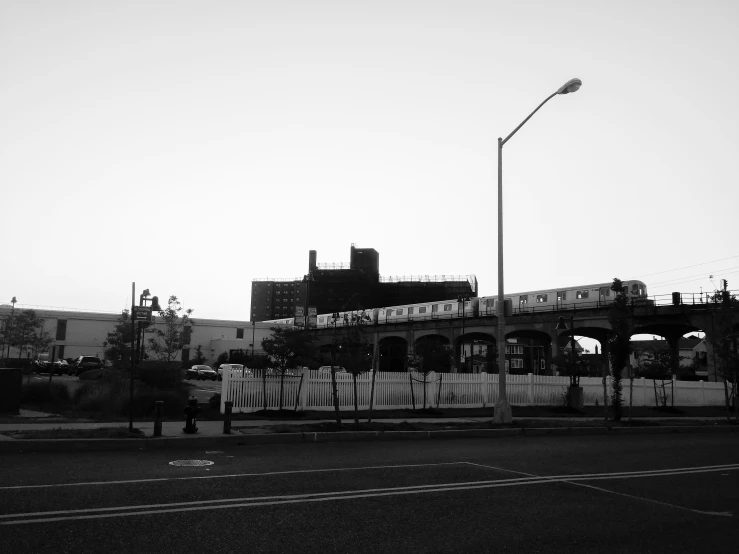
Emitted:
pixel 201 372
pixel 86 363
pixel 326 369
pixel 237 370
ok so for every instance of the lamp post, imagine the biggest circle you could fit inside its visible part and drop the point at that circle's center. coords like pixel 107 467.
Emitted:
pixel 462 299
pixel 9 327
pixel 502 407
pixel 253 329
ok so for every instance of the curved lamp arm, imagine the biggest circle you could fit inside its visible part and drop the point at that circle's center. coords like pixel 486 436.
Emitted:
pixel 570 86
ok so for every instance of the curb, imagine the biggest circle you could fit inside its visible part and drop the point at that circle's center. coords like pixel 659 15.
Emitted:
pixel 150 443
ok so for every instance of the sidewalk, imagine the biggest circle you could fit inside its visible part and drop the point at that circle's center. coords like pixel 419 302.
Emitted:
pixel 211 428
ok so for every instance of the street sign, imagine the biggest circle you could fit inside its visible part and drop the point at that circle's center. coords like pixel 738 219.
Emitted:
pixel 142 313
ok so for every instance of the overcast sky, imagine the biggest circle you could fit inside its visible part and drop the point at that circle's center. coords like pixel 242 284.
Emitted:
pixel 191 147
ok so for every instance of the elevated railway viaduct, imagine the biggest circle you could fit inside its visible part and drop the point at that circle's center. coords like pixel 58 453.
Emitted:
pixel 394 341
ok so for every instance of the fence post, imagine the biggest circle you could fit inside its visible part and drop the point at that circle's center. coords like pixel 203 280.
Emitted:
pixel 226 378
pixel 531 388
pixel 485 388
pixel 644 391
pixel 305 390
pixel 703 394
pixel 431 394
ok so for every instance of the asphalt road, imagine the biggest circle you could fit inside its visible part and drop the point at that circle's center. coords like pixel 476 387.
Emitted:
pixel 658 493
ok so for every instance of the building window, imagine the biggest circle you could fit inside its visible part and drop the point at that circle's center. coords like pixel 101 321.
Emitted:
pixel 61 329
pixel 516 363
pixel 542 364
pixel 239 333
pixel 60 352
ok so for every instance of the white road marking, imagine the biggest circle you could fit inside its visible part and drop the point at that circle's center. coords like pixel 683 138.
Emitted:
pixel 530 479
pixel 231 475
pixel 626 475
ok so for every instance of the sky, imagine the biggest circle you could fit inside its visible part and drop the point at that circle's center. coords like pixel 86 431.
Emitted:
pixel 191 146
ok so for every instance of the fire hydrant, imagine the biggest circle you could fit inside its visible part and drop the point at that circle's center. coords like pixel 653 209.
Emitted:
pixel 191 413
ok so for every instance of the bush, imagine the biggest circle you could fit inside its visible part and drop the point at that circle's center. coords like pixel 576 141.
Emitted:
pixel 111 396
pixel 44 392
pixel 162 375
pixel 215 401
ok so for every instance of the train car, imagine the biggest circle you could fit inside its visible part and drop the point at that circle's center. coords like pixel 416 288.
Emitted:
pixel 287 321
pixel 428 310
pixel 347 318
pixel 584 296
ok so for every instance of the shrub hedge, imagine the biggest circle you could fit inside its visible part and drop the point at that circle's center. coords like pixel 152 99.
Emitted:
pixel 43 392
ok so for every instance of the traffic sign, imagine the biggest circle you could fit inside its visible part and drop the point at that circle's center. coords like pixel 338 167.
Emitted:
pixel 142 313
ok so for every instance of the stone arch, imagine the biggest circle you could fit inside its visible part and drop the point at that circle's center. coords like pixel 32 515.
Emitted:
pixel 470 352
pixel 531 354
pixel 392 353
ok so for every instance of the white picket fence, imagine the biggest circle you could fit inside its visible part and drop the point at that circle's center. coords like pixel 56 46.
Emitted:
pixel 311 391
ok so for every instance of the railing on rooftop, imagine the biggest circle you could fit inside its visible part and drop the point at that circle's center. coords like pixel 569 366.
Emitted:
pixel 471 279
pixel 275 279
pixel 57 308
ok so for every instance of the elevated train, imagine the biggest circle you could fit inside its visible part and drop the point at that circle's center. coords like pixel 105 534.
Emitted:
pixel 585 296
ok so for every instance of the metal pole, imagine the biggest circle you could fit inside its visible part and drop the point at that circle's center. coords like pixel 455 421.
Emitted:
pixel 502 413
pixel 133 345
pixel 253 328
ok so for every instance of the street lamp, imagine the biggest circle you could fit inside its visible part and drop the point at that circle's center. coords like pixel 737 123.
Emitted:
pixel 462 300
pixel 8 327
pixel 562 326
pixel 502 407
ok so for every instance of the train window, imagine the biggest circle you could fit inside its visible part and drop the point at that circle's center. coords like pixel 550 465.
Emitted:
pixel 434 308
pixel 635 289
pixel 389 312
pixel 447 307
pixel 400 311
pixel 561 295
pixel 523 299
pixel 540 298
pixel 410 311
pixel 422 310
pixel 582 294
pixel 321 319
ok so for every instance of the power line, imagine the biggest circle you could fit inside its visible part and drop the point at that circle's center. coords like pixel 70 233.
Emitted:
pixel 728 269
pixel 687 267
pixel 669 283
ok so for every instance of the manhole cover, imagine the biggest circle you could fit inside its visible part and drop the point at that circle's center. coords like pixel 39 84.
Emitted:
pixel 191 463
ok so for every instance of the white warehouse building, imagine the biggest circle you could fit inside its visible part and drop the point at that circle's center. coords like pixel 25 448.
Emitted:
pixel 79 333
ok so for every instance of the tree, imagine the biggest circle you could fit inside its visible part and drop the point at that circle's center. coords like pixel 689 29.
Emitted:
pixel 430 356
pixel 724 340
pixel 117 345
pixel 288 348
pixel 169 341
pixel 656 364
pixel 26 333
pixel 199 357
pixel 355 355
pixel 618 342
